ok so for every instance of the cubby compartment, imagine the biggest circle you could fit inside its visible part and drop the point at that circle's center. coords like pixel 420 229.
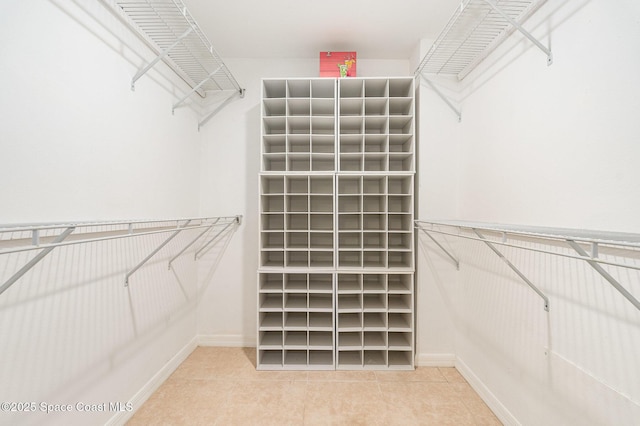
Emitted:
pixel 270 282
pixel 295 357
pixel 270 302
pixel 298 163
pixel 323 126
pixel 400 322
pixel 374 240
pixel 400 259
pixel 295 339
pixel 321 340
pixel 321 358
pixel 323 88
pixel 375 107
pixel 350 222
pixel 399 222
pixel 374 321
pixel 375 358
pixel 375 163
pixel 321 259
pixel 375 143
pixel 401 88
pixel 351 88
pixel 374 204
pixel 350 240
pixel 374 259
pixel 400 241
pixel 348 340
pixel 374 283
pixel 323 107
pixel 400 162
pixel 400 185
pixel 297 259
pixel 274 144
pixel 270 358
pixel 400 283
pixel 298 88
pixel 351 144
pixel 274 107
pixel 297 222
pixel 298 144
pixel 349 302
pixel 321 185
pixel 321 321
pixel 270 340
pixel 349 322
pixel 349 283
pixel 374 302
pixel 323 145
pixel 295 282
pixel 298 107
pixel 272 259
pixel 375 125
pixel 321 222
pixel 401 106
pixel 295 321
pixel 272 240
pixel 400 204
pixel 349 185
pixel 401 143
pixel 321 283
pixel 399 341
pixel 375 340
pixel 373 222
pixel 351 125
pixel 350 259
pixel 376 88
pixel 297 203
pixel 274 125
pixel 351 107
pixel 274 89
pixel 400 303
pixel 321 240
pixel 270 321
pixel 350 358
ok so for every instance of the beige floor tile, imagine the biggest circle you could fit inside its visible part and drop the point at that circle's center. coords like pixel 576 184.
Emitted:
pixel 180 401
pixel 420 374
pixel 452 375
pixel 342 376
pixel 265 403
pixel 343 403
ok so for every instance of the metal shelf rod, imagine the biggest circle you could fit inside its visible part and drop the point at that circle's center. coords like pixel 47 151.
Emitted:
pixel 573 242
pixel 99 239
pixel 35 260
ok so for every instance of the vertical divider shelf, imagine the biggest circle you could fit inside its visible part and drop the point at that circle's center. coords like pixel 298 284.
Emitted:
pixel 336 243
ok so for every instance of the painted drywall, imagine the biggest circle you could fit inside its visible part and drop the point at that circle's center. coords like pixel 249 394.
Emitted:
pixel 543 146
pixel 76 144
pixel 230 167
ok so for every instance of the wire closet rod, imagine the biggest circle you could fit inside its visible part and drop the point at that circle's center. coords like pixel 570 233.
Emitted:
pixel 127 231
pixel 573 238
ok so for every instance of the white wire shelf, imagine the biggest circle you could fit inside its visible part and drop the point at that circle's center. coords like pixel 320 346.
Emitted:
pixel 474 30
pixel 574 238
pixel 45 237
pixel 168 28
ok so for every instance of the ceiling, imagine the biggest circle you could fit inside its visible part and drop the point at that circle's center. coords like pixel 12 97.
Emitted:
pixel 300 29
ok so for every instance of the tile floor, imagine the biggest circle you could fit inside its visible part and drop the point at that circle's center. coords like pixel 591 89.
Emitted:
pixel 220 386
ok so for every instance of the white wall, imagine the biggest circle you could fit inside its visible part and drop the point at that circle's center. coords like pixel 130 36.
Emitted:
pixel 548 146
pixel 77 144
pixel 230 167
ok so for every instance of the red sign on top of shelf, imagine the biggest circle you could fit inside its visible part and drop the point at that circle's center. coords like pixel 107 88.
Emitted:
pixel 337 64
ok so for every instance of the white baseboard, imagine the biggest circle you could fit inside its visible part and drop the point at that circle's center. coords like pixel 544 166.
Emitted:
pixel 152 385
pixel 501 412
pixel 227 340
pixel 435 360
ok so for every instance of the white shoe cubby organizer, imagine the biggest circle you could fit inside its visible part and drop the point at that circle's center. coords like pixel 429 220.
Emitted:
pixel 336 262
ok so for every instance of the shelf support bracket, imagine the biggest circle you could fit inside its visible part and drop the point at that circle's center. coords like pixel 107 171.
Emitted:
pixel 443 97
pixel 516 270
pixel 37 258
pixel 158 58
pixel 215 237
pixel 219 108
pixel 455 261
pixel 192 242
pixel 595 265
pixel 195 89
pixel 522 30
pixel 146 259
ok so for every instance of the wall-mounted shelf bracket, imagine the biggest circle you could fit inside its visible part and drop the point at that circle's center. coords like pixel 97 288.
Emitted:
pixel 220 107
pixel 193 242
pixel 455 261
pixel 37 258
pixel 161 56
pixel 194 90
pixel 595 265
pixel 513 267
pixel 204 248
pixel 146 259
pixel 443 97
pixel 524 32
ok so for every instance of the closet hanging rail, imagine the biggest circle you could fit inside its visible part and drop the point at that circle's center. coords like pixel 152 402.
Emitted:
pixel 46 237
pixel 474 30
pixel 575 239
pixel 171 31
